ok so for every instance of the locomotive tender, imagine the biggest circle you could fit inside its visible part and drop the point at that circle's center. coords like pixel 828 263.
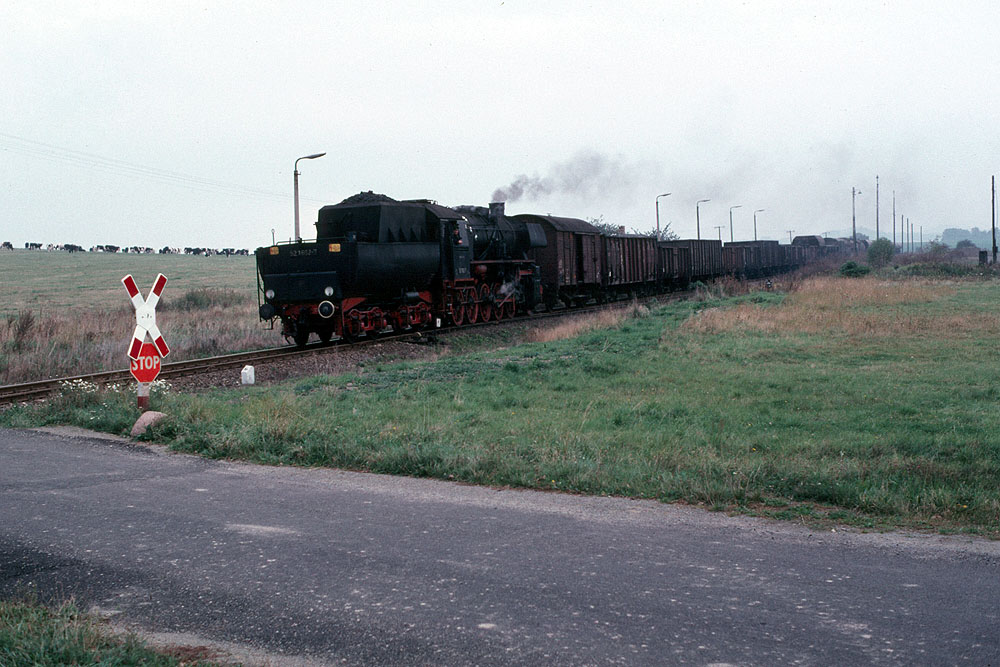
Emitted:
pixel 378 263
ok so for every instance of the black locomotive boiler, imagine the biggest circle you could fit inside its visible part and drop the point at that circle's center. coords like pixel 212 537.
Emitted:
pixel 378 263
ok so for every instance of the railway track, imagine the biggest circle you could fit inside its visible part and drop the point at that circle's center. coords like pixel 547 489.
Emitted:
pixel 40 389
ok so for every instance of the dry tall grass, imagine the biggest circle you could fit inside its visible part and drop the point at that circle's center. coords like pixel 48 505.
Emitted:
pixel 574 326
pixel 857 307
pixel 60 343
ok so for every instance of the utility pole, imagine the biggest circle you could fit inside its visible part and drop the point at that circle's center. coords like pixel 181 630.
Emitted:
pixel 854 226
pixel 921 238
pixel 876 208
pixel 994 181
pixel 894 221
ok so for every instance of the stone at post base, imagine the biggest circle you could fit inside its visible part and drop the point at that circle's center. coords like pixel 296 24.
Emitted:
pixel 147 419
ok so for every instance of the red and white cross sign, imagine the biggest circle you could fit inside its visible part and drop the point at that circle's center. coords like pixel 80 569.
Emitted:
pixel 145 316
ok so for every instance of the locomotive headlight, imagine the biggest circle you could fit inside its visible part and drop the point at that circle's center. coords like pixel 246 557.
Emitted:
pixel 269 294
pixel 328 291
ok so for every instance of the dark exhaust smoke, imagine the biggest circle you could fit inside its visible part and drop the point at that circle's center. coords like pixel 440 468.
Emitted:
pixel 587 175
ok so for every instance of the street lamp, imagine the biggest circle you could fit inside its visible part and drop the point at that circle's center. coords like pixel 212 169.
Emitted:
pixel 720 228
pixel 731 220
pixel 665 194
pixel 854 227
pixel 296 179
pixel 760 210
pixel 697 215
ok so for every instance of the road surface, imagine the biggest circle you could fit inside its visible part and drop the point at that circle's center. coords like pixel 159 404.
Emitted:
pixel 330 567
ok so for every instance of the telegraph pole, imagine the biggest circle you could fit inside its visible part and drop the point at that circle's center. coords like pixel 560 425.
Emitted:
pixel 994 181
pixel 876 208
pixel 894 221
pixel 854 226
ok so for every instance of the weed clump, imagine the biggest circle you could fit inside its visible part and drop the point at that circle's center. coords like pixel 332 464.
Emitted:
pixel 852 269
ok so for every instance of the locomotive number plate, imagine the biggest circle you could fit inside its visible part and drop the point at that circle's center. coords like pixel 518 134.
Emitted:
pixel 302 253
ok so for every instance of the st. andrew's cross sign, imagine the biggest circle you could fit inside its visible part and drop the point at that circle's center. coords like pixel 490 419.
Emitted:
pixel 145 316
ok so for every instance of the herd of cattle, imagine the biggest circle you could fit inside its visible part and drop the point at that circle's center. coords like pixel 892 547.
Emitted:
pixel 137 250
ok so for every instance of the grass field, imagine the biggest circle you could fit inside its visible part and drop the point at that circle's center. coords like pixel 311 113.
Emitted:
pixel 65 314
pixel 53 282
pixel 866 402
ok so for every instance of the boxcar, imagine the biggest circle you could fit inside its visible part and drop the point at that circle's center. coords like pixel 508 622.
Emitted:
pixel 674 265
pixel 706 257
pixel 735 260
pixel 571 263
pixel 629 263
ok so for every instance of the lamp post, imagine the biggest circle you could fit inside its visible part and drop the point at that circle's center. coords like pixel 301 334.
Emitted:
pixel 296 179
pixel 731 220
pixel 790 232
pixel 720 227
pixel 665 194
pixel 697 215
pixel 854 227
pixel 760 210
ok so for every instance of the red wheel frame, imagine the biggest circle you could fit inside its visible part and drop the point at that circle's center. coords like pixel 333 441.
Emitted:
pixel 458 310
pixel 485 303
pixel 471 305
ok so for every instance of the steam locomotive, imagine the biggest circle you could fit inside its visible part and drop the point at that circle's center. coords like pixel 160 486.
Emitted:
pixel 378 263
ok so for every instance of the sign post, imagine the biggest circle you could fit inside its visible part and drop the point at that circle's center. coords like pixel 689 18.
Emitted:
pixel 146 356
pixel 145 367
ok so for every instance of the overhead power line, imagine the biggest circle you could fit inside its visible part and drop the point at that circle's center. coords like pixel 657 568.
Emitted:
pixel 52 153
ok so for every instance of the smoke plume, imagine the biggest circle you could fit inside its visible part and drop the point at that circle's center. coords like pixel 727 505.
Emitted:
pixel 587 175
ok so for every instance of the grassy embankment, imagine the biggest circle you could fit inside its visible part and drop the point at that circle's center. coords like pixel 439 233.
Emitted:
pixel 31 634
pixel 65 314
pixel 865 402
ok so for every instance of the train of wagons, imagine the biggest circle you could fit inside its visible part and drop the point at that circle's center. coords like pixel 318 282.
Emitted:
pixel 378 263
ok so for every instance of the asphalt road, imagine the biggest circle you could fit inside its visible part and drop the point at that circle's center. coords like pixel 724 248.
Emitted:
pixel 336 567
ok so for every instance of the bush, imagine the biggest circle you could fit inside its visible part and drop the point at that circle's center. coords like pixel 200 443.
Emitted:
pixel 854 270
pixel 880 252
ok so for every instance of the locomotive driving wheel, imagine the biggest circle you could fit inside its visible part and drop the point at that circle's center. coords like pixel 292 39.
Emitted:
pixel 352 326
pixel 504 307
pixel 458 310
pixel 485 303
pixel 507 308
pixel 471 305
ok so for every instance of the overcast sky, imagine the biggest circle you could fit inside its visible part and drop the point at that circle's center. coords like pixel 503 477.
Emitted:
pixel 179 125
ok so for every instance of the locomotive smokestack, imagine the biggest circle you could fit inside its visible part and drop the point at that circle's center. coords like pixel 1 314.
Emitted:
pixel 496 211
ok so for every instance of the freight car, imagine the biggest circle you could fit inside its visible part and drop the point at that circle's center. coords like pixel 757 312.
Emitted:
pixel 378 263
